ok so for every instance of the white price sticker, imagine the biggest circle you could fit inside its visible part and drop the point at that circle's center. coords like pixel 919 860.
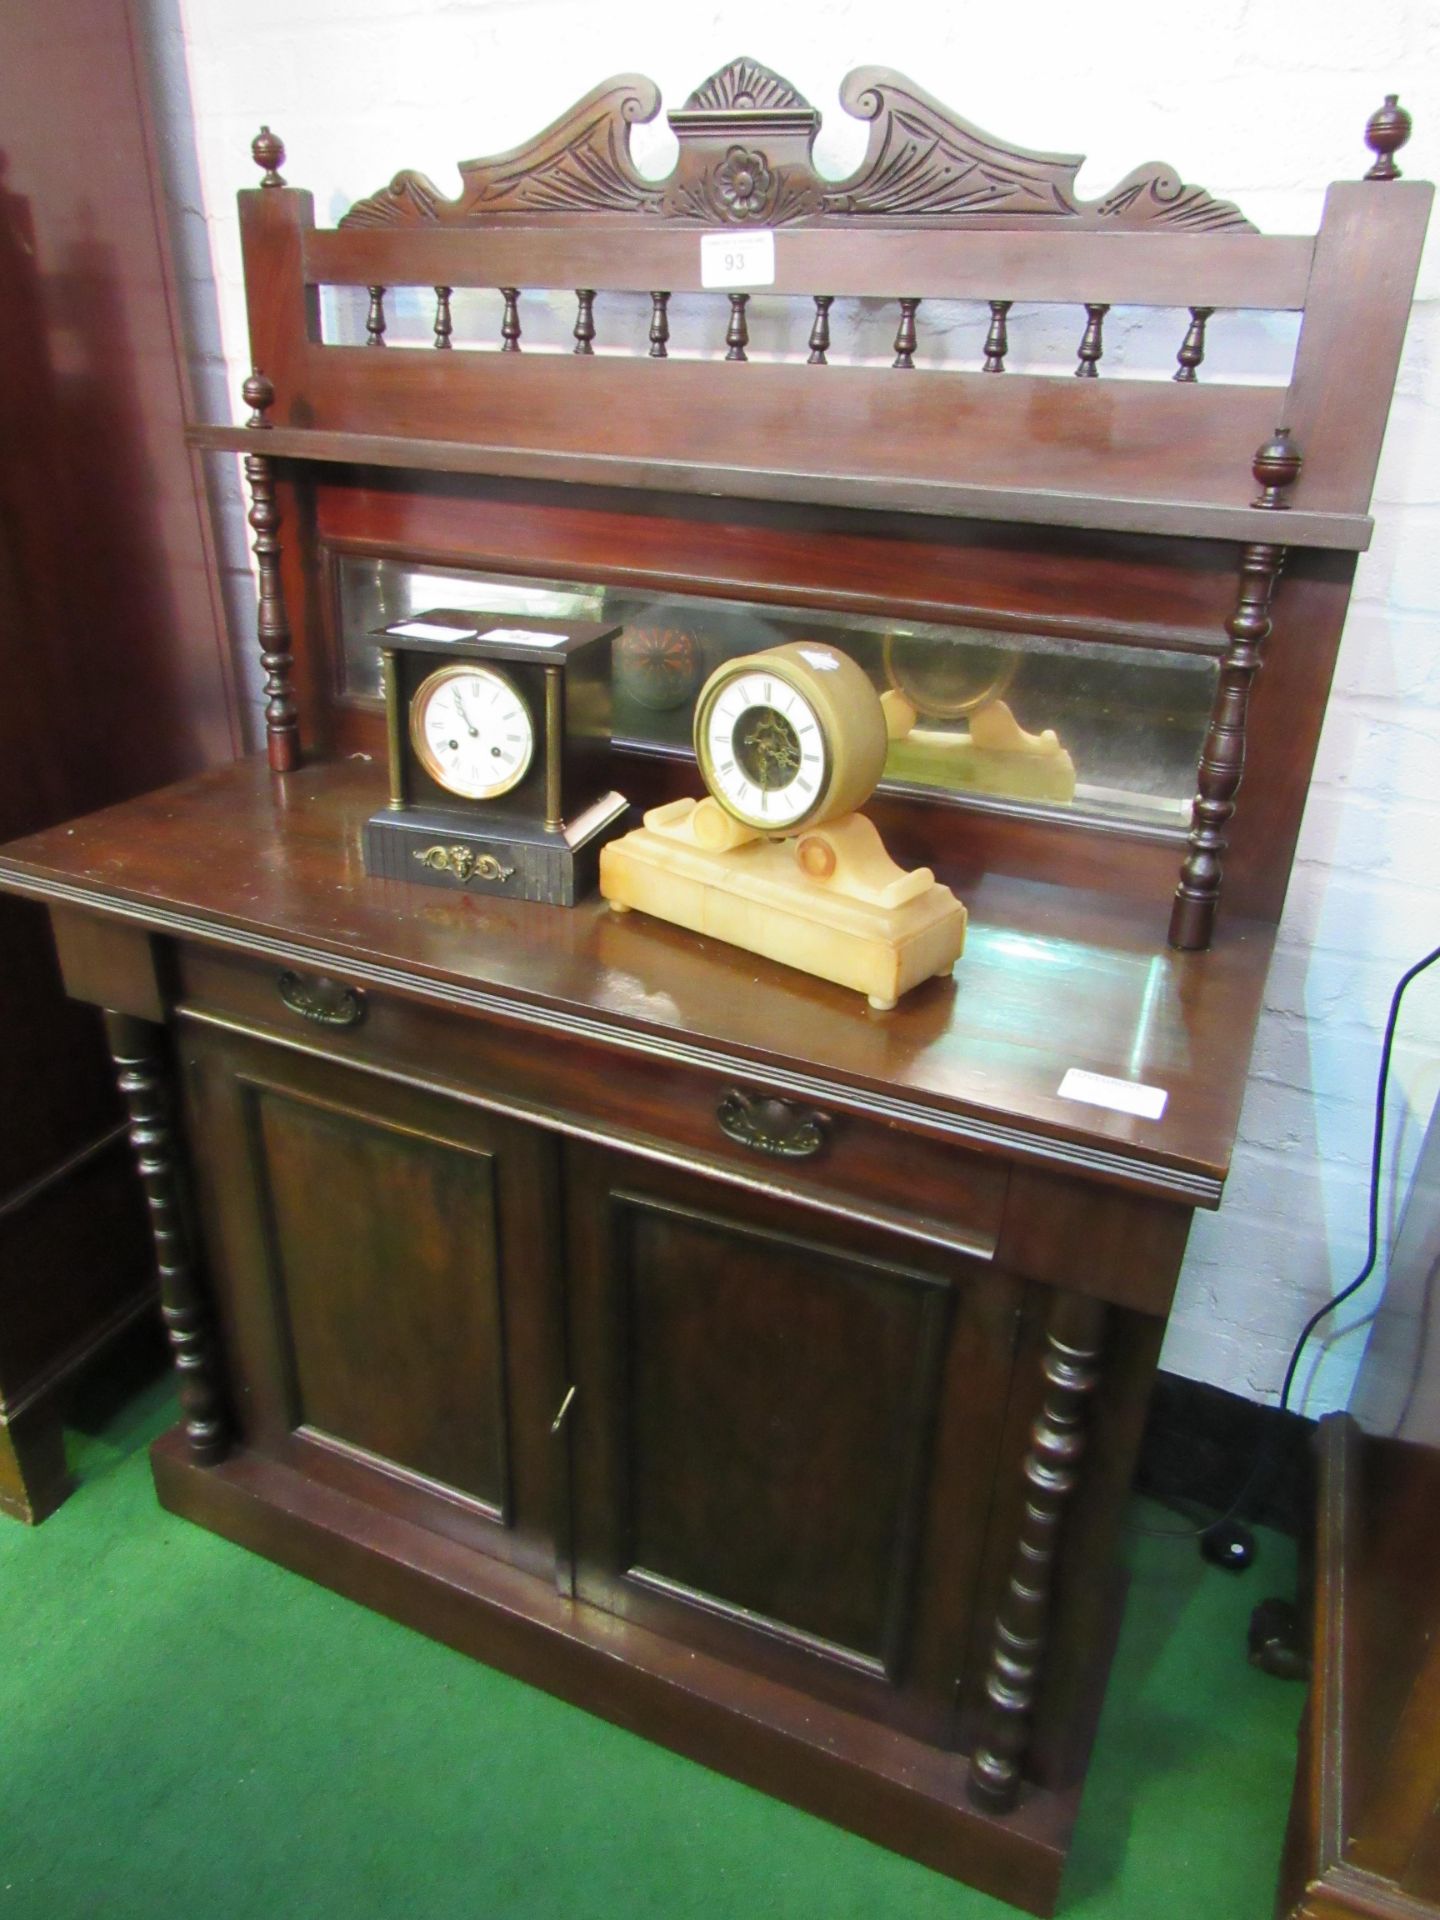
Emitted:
pixel 523 637
pixel 430 630
pixel 737 259
pixel 1120 1096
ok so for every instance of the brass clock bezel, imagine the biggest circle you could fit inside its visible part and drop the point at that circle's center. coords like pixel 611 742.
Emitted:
pixel 710 694
pixel 420 700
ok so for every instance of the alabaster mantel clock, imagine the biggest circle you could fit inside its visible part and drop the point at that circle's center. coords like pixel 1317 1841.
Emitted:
pixel 777 859
pixel 497 743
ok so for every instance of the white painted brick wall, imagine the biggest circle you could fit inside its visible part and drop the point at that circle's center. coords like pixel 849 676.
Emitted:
pixel 1260 100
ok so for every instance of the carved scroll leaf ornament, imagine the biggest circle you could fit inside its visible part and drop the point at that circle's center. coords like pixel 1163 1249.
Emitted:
pixel 464 863
pixel 746 138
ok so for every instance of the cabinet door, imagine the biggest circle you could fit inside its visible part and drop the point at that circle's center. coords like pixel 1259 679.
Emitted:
pixel 385 1260
pixel 784 1432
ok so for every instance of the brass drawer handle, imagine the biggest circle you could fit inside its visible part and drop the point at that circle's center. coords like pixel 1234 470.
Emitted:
pixel 317 998
pixel 767 1125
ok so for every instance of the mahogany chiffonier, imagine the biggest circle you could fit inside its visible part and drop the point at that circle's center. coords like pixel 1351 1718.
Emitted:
pixel 677 1331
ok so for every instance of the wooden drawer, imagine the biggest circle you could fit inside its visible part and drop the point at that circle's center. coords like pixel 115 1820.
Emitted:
pixel 725 1122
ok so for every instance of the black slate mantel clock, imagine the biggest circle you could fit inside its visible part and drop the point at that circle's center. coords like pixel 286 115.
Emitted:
pixel 498 735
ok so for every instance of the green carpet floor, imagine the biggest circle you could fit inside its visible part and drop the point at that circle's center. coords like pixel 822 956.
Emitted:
pixel 187 1730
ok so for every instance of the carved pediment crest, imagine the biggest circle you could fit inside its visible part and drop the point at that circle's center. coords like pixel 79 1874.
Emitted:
pixel 746 138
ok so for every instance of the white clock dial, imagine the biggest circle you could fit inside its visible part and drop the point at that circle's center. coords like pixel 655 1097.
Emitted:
pixel 766 752
pixel 472 731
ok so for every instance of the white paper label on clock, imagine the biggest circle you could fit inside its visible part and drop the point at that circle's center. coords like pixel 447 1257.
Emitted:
pixel 737 259
pixel 1120 1096
pixel 430 630
pixel 519 637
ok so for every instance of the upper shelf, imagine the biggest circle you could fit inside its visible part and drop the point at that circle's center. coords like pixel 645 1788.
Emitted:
pixel 937 210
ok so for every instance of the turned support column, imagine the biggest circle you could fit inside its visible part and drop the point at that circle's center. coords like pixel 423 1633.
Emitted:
pixel 135 1049
pixel 1052 1471
pixel 282 727
pixel 1222 759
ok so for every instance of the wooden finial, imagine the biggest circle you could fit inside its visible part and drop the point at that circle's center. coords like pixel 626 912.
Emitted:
pixel 258 393
pixel 1276 466
pixel 820 331
pixel 1386 131
pixel 444 325
pixel 267 150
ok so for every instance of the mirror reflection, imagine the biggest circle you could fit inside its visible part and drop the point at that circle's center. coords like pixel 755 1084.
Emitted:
pixel 1026 719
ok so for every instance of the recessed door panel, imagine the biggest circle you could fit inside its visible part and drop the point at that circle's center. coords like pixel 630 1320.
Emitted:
pixel 784 1432
pixel 386 1270
pixel 769 1375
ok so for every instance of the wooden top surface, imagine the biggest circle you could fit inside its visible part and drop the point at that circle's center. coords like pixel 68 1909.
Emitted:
pixel 1052 978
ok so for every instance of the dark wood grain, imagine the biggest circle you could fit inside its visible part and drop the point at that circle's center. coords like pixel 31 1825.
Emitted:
pixel 981 1060
pixel 1154 269
pixel 1180 513
pixel 1345 365
pixel 412 1357
pixel 754 1421
pixel 878 1782
pixel 699 1342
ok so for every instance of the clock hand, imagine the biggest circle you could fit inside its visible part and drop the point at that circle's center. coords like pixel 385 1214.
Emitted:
pixel 460 705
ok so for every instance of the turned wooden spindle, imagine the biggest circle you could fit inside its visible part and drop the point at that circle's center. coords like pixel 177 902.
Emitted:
pixel 443 325
pixel 282 729
pixel 136 1048
pixel 510 320
pixel 1052 1472
pixel 905 335
pixel 1192 347
pixel 659 326
pixel 1222 759
pixel 267 150
pixel 585 320
pixel 1092 343
pixel 1386 131
pixel 375 318
pixel 737 334
pixel 820 331
pixel 997 340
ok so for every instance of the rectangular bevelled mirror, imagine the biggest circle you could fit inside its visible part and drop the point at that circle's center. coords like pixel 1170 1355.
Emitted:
pixel 1077 726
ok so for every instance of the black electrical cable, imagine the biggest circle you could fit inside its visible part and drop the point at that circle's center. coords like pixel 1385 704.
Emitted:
pixel 1351 1287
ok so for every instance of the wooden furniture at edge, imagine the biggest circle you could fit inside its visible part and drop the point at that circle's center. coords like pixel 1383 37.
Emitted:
pixel 114 663
pixel 759 1371
pixel 1364 1839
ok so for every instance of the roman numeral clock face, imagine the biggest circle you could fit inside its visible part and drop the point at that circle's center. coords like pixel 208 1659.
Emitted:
pixel 472 731
pixel 765 756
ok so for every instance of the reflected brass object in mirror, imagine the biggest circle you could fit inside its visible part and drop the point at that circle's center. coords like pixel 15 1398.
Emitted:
pixel 947 680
